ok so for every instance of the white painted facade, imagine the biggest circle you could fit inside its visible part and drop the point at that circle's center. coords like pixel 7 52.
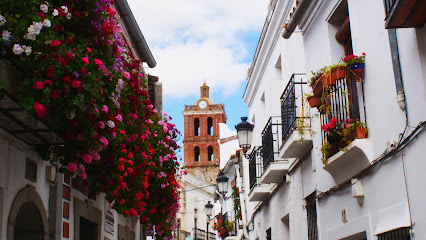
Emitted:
pixel 195 193
pixel 393 192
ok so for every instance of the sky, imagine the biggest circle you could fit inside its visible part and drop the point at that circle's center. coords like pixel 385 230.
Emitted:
pixel 194 41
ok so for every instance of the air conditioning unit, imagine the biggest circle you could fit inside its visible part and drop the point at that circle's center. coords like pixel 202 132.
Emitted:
pixel 51 174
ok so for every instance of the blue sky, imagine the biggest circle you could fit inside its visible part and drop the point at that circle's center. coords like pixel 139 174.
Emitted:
pixel 197 40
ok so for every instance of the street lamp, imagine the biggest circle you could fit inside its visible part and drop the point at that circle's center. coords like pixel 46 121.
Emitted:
pixel 209 208
pixel 244 132
pixel 222 184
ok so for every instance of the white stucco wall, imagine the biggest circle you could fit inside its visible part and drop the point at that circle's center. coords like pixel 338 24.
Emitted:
pixel 392 189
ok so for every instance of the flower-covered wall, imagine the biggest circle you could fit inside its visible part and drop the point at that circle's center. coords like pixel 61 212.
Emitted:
pixel 79 74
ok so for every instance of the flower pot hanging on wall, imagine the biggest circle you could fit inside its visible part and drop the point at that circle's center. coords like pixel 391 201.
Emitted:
pixel 357 70
pixel 314 101
pixel 317 89
pixel 338 73
pixel 327 79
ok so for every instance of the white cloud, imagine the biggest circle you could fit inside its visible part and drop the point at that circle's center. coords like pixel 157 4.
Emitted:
pixel 193 39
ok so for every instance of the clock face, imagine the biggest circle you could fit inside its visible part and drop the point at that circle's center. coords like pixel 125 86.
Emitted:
pixel 202 104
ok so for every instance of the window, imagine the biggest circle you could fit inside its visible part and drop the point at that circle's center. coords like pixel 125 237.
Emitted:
pixel 197 154
pixel 196 127
pixel 397 234
pixel 268 234
pixel 209 126
pixel 31 170
pixel 210 153
pixel 311 209
pixel 88 229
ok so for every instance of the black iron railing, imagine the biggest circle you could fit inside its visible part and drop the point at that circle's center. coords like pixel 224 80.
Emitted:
pixel 270 141
pixel 292 105
pixel 397 234
pixel 342 101
pixel 255 166
pixel 311 210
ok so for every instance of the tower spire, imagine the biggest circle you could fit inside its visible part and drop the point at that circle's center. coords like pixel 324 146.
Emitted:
pixel 204 90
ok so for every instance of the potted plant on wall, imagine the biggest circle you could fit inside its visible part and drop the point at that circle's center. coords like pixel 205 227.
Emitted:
pixel 361 130
pixel 313 101
pixel 316 83
pixel 356 65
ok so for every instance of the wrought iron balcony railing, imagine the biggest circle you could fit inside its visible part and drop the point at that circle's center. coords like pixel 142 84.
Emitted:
pixel 404 13
pixel 255 166
pixel 270 141
pixel 343 103
pixel 292 104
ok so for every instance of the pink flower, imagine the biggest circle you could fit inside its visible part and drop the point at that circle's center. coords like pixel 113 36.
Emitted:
pixel 98 62
pixel 76 84
pixel 126 75
pixel 38 85
pixel 85 60
pixel 40 109
pixel 119 118
pixel 72 167
pixel 87 158
pixel 88 50
pixel 95 155
pixel 110 124
pixel 104 141
pixel 101 124
pixel 163 185
pixel 104 109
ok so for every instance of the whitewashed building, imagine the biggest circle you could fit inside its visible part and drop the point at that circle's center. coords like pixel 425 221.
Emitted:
pixel 36 202
pixel 373 188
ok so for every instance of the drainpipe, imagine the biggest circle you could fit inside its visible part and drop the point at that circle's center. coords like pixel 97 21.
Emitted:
pixel 295 19
pixel 135 33
pixel 400 95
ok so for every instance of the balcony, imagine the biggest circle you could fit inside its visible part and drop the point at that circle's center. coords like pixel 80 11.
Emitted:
pixel 346 154
pixel 258 191
pixel 405 13
pixel 17 121
pixel 295 118
pixel 274 168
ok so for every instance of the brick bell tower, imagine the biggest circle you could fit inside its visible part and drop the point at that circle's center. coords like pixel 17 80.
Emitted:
pixel 201 135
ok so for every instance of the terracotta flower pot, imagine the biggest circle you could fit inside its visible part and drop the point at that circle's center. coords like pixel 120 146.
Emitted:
pixel 327 79
pixel 338 73
pixel 357 70
pixel 314 101
pixel 360 133
pixel 317 88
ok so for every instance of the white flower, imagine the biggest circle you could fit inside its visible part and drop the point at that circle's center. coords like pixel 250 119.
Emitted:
pixel 111 124
pixel 17 49
pixel 46 23
pixel 65 8
pixel 68 16
pixel 34 30
pixel 6 35
pixel 27 50
pixel 55 12
pixel 2 20
pixel 44 8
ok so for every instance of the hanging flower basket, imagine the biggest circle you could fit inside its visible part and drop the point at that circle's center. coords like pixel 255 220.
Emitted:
pixel 338 73
pixel 357 70
pixel 317 88
pixel 314 101
pixel 328 80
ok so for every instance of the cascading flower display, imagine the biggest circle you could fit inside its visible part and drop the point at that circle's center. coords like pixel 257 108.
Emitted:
pixel 85 79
